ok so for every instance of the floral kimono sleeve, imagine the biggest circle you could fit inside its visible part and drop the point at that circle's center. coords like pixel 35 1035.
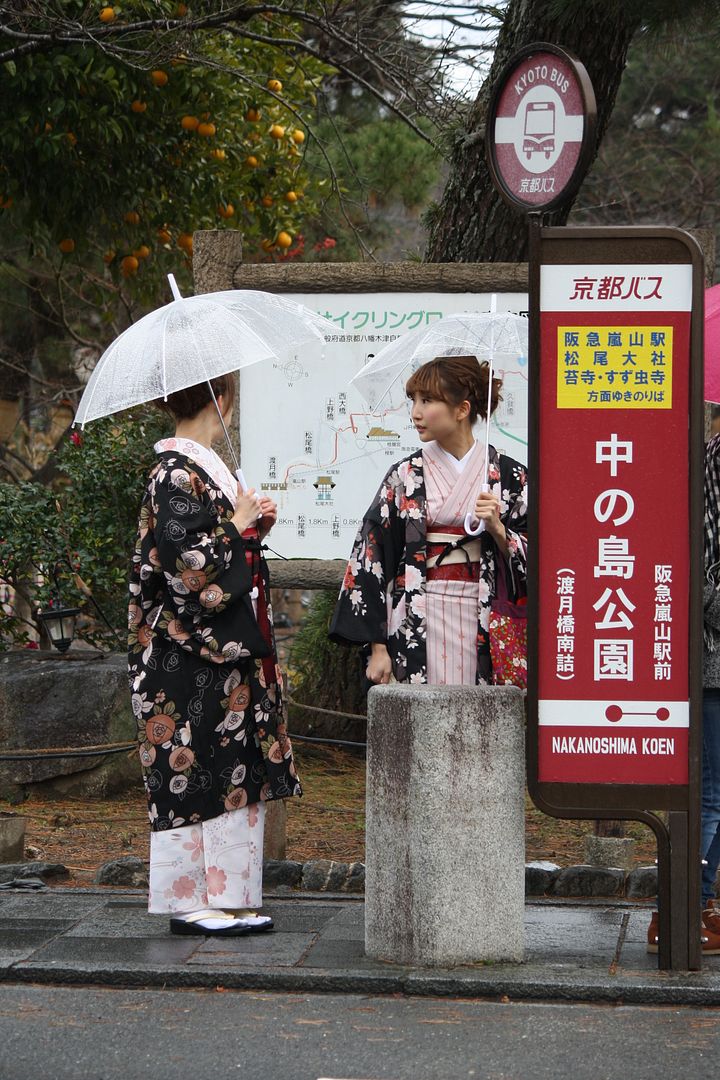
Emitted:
pixel 190 578
pixel 361 613
pixel 514 518
pixel 202 559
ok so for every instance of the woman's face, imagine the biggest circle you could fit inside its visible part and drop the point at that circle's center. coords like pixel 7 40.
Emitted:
pixel 436 420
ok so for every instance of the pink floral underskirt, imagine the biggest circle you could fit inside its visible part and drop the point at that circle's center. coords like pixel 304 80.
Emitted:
pixel 214 864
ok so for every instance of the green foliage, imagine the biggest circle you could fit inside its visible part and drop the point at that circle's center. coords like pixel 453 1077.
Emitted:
pixel 386 172
pixel 87 139
pixel 390 161
pixel 85 527
pixel 660 159
pixel 312 645
pixel 653 15
pixel 28 518
pixel 323 673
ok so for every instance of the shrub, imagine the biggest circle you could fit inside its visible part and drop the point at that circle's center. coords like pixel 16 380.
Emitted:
pixel 79 533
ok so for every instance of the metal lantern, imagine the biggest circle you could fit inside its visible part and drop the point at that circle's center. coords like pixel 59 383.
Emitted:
pixel 59 622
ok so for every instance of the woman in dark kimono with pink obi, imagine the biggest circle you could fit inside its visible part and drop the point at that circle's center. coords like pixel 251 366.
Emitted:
pixel 206 687
pixel 418 587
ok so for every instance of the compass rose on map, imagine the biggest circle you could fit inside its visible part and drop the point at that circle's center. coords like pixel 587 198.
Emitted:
pixel 292 370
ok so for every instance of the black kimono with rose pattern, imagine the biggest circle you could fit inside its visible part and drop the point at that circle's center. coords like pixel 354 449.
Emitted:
pixel 383 595
pixel 210 723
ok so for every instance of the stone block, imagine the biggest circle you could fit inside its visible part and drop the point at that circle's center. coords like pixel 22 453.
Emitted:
pixel 617 851
pixel 445 848
pixel 587 880
pixel 12 838
pixel 47 701
pixel 127 870
pixel 44 870
pixel 641 883
pixel 278 872
pixel 539 877
pixel 326 875
pixel 117 773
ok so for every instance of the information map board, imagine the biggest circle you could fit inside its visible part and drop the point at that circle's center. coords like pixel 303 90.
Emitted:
pixel 323 459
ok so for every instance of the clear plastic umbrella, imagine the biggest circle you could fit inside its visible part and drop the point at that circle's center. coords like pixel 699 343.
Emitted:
pixel 493 336
pixel 195 339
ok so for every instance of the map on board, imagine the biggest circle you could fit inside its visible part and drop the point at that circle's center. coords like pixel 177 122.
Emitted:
pixel 309 440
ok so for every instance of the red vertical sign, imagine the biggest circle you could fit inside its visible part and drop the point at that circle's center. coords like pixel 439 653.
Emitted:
pixel 613 597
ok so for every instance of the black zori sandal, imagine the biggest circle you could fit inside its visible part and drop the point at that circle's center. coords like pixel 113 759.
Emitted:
pixel 217 923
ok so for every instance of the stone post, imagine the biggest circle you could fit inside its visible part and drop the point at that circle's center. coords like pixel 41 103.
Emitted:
pixel 275 837
pixel 445 851
pixel 12 838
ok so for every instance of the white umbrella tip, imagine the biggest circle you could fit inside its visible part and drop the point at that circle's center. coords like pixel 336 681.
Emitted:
pixel 174 287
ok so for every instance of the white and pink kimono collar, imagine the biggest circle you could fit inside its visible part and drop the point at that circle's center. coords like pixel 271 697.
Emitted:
pixel 207 459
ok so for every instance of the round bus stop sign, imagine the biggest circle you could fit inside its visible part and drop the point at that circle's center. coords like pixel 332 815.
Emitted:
pixel 540 127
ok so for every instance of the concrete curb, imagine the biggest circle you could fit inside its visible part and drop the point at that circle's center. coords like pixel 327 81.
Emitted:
pixel 583 951
pixel 491 982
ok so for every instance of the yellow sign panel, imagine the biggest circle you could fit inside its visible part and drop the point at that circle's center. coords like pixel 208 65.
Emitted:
pixel 614 367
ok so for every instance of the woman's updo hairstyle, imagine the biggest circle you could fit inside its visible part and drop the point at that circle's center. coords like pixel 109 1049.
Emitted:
pixel 455 379
pixel 186 404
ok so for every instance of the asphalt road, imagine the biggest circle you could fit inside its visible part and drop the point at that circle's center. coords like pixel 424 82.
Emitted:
pixel 62 1033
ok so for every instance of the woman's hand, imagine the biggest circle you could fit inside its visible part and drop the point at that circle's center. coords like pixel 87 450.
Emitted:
pixel 487 509
pixel 247 509
pixel 379 669
pixel 268 509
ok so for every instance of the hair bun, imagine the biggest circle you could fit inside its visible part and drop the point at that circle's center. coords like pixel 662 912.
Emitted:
pixel 455 379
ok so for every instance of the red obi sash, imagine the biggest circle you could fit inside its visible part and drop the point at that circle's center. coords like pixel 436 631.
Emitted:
pixel 253 560
pixel 452 555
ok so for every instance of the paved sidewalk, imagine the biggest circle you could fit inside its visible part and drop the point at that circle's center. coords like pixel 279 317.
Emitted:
pixel 582 951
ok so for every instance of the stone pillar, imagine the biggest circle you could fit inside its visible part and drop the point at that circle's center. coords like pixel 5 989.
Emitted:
pixel 445 852
pixel 12 838
pixel 610 851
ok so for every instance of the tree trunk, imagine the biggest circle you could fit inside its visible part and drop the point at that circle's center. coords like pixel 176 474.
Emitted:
pixel 472 222
pixel 606 827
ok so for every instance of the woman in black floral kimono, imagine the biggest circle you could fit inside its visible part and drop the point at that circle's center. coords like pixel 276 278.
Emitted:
pixel 419 585
pixel 206 688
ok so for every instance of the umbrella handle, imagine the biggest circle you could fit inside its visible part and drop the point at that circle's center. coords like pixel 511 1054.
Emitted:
pixel 243 483
pixel 472 526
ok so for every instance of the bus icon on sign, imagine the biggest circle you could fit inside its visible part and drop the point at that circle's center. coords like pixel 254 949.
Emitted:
pixel 539 133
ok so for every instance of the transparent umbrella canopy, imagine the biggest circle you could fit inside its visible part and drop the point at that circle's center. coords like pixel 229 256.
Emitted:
pixel 195 339
pixel 493 336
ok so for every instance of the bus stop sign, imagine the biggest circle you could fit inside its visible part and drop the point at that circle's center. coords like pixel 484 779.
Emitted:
pixel 540 127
